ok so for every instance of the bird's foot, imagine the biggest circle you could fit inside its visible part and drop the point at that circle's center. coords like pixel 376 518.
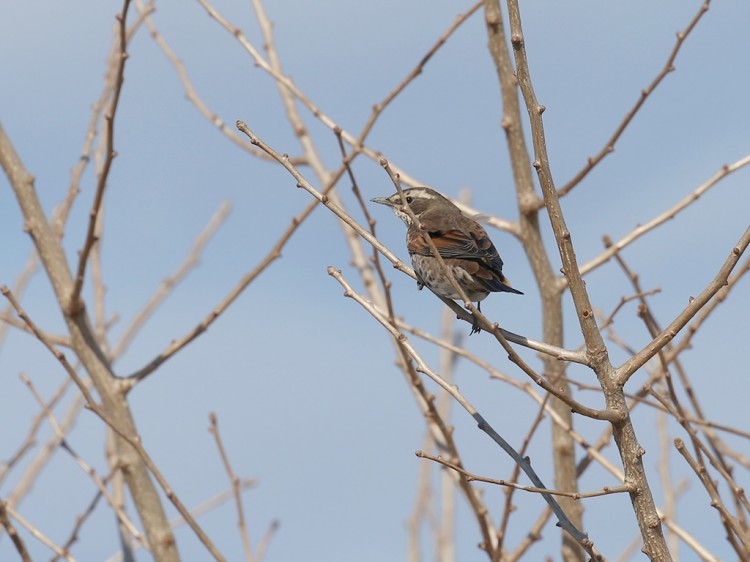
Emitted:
pixel 475 328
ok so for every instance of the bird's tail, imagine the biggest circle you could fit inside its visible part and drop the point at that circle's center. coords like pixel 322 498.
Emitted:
pixel 505 287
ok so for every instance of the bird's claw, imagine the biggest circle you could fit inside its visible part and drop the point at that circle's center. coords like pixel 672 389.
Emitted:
pixel 475 328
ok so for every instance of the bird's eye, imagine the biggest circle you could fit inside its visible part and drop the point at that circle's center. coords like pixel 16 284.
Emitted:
pixel 409 200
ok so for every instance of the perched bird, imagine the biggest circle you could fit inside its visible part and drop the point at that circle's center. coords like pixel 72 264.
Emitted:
pixel 462 243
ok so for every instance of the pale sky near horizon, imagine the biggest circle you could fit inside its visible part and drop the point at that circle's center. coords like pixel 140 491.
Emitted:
pixel 303 380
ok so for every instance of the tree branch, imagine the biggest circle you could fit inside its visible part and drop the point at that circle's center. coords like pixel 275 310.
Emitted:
pixel 74 303
pixel 626 370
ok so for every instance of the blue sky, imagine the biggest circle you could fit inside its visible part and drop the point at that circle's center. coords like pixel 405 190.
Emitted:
pixel 303 380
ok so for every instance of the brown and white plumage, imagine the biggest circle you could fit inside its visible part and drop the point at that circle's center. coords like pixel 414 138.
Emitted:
pixel 462 243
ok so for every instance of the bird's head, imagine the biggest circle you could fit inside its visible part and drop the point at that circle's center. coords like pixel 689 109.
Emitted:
pixel 419 199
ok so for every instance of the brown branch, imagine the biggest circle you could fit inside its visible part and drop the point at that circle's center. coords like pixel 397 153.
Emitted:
pixel 669 214
pixel 236 483
pixel 29 268
pixel 686 340
pixel 212 316
pixel 619 489
pixel 190 92
pixel 41 537
pixel 677 410
pixel 609 147
pixel 74 303
pixel 727 519
pixel 113 62
pixel 98 482
pixel 481 320
pixel 624 432
pixel 546 276
pixel 7 320
pixel 132 439
pixel 6 523
pixel 595 347
pixel 422 367
pixel 167 285
pixel 626 370
pixel 378 108
pixel 502 529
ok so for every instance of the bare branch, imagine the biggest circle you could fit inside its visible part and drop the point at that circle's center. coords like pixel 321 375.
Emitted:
pixel 41 537
pixel 609 147
pixel 625 371
pixel 235 481
pixel 74 304
pixel 190 92
pixel 686 340
pixel 29 268
pixel 613 248
pixel 6 523
pixel 132 439
pixel 7 320
pixel 378 108
pixel 624 432
pixel 168 285
pixel 422 367
pixel 98 482
pixel 619 489
pixel 729 521
pixel 212 316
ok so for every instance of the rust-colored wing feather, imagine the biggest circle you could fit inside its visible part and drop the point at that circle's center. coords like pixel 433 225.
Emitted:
pixel 472 250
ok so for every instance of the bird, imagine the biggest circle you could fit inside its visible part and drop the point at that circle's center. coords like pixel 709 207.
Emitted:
pixel 462 242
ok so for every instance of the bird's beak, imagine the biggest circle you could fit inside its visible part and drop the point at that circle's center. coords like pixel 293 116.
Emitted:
pixel 382 201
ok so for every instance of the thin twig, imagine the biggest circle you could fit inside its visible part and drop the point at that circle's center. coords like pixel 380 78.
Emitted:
pixel 669 214
pixel 7 320
pixel 46 451
pixel 619 489
pixel 625 371
pixel 686 340
pixel 609 147
pixel 133 441
pixel 198 510
pixel 81 520
pixel 422 367
pixel 177 345
pixel 378 108
pixel 502 529
pixel 167 286
pixel 191 93
pixel 62 212
pixel 74 301
pixel 98 482
pixel 6 523
pixel 235 481
pixel 727 518
pixel 397 263
pixel 29 268
pixel 41 537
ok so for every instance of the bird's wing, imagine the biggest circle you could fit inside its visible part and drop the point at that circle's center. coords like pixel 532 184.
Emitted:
pixel 456 244
pixel 474 252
